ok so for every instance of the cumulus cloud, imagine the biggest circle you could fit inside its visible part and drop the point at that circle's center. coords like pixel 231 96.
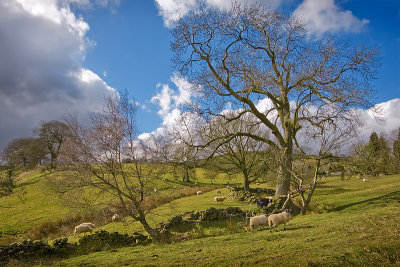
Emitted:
pixel 170 102
pixel 324 16
pixel 383 119
pixel 173 10
pixel 41 77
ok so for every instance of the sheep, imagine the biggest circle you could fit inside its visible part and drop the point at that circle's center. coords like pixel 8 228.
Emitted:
pixel 365 180
pixel 257 221
pixel 218 191
pixel 219 199
pixel 90 224
pixel 115 217
pixel 199 192
pixel 277 219
pixel 155 190
pixel 82 228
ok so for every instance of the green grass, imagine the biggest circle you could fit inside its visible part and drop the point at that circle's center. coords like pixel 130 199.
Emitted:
pixel 351 223
pixel 359 225
pixel 31 204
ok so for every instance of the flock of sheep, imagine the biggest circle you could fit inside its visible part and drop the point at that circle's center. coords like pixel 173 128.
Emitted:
pixel 273 220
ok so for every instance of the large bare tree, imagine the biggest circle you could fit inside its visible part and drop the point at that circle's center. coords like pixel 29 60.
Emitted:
pixel 264 63
pixel 99 150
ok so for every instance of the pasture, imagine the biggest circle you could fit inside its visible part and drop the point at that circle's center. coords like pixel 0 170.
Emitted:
pixel 349 223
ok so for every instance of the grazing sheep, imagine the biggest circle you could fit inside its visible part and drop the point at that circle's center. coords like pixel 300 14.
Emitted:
pixel 277 219
pixel 199 192
pixel 257 221
pixel 219 199
pixel 218 191
pixel 90 224
pixel 365 180
pixel 263 202
pixel 115 217
pixel 155 189
pixel 82 228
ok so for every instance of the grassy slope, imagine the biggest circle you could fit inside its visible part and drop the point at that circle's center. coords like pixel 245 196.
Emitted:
pixel 361 226
pixel 31 204
pixel 34 203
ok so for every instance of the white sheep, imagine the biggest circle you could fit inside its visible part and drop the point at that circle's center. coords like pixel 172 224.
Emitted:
pixel 199 192
pixel 365 180
pixel 218 191
pixel 219 199
pixel 257 221
pixel 82 228
pixel 90 224
pixel 277 219
pixel 115 217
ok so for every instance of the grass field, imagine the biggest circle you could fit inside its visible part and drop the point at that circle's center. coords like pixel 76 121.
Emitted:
pixel 356 224
pixel 351 223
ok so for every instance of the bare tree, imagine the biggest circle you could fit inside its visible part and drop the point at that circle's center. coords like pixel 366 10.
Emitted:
pixel 52 134
pixel 326 148
pixel 23 152
pixel 238 154
pixel 264 63
pixel 100 149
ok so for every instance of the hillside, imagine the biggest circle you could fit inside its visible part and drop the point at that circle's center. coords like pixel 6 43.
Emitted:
pixel 350 223
pixel 354 223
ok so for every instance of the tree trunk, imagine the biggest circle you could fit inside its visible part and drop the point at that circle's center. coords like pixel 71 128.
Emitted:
pixel 284 177
pixel 154 233
pixel 246 181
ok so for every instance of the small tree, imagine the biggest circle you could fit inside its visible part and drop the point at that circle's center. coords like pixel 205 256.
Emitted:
pixel 238 154
pixel 325 143
pixel 100 149
pixel 52 134
pixel 23 152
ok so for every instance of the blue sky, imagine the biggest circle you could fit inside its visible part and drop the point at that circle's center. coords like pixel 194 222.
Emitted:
pixel 63 56
pixel 133 47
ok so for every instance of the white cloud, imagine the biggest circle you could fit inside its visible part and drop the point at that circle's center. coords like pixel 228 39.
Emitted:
pixel 41 77
pixel 324 16
pixel 169 99
pixel 171 102
pixel 173 10
pixel 384 121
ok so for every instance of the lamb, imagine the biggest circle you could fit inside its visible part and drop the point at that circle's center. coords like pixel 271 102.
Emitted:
pixel 277 219
pixel 82 228
pixel 199 192
pixel 218 191
pixel 365 180
pixel 115 217
pixel 257 221
pixel 219 199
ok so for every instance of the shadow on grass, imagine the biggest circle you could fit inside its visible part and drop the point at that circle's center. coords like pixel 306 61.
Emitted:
pixel 394 196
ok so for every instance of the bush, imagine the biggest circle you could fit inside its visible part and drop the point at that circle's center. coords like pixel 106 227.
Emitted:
pixel 250 196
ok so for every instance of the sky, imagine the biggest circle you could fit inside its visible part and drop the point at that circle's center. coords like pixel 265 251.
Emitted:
pixel 60 56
